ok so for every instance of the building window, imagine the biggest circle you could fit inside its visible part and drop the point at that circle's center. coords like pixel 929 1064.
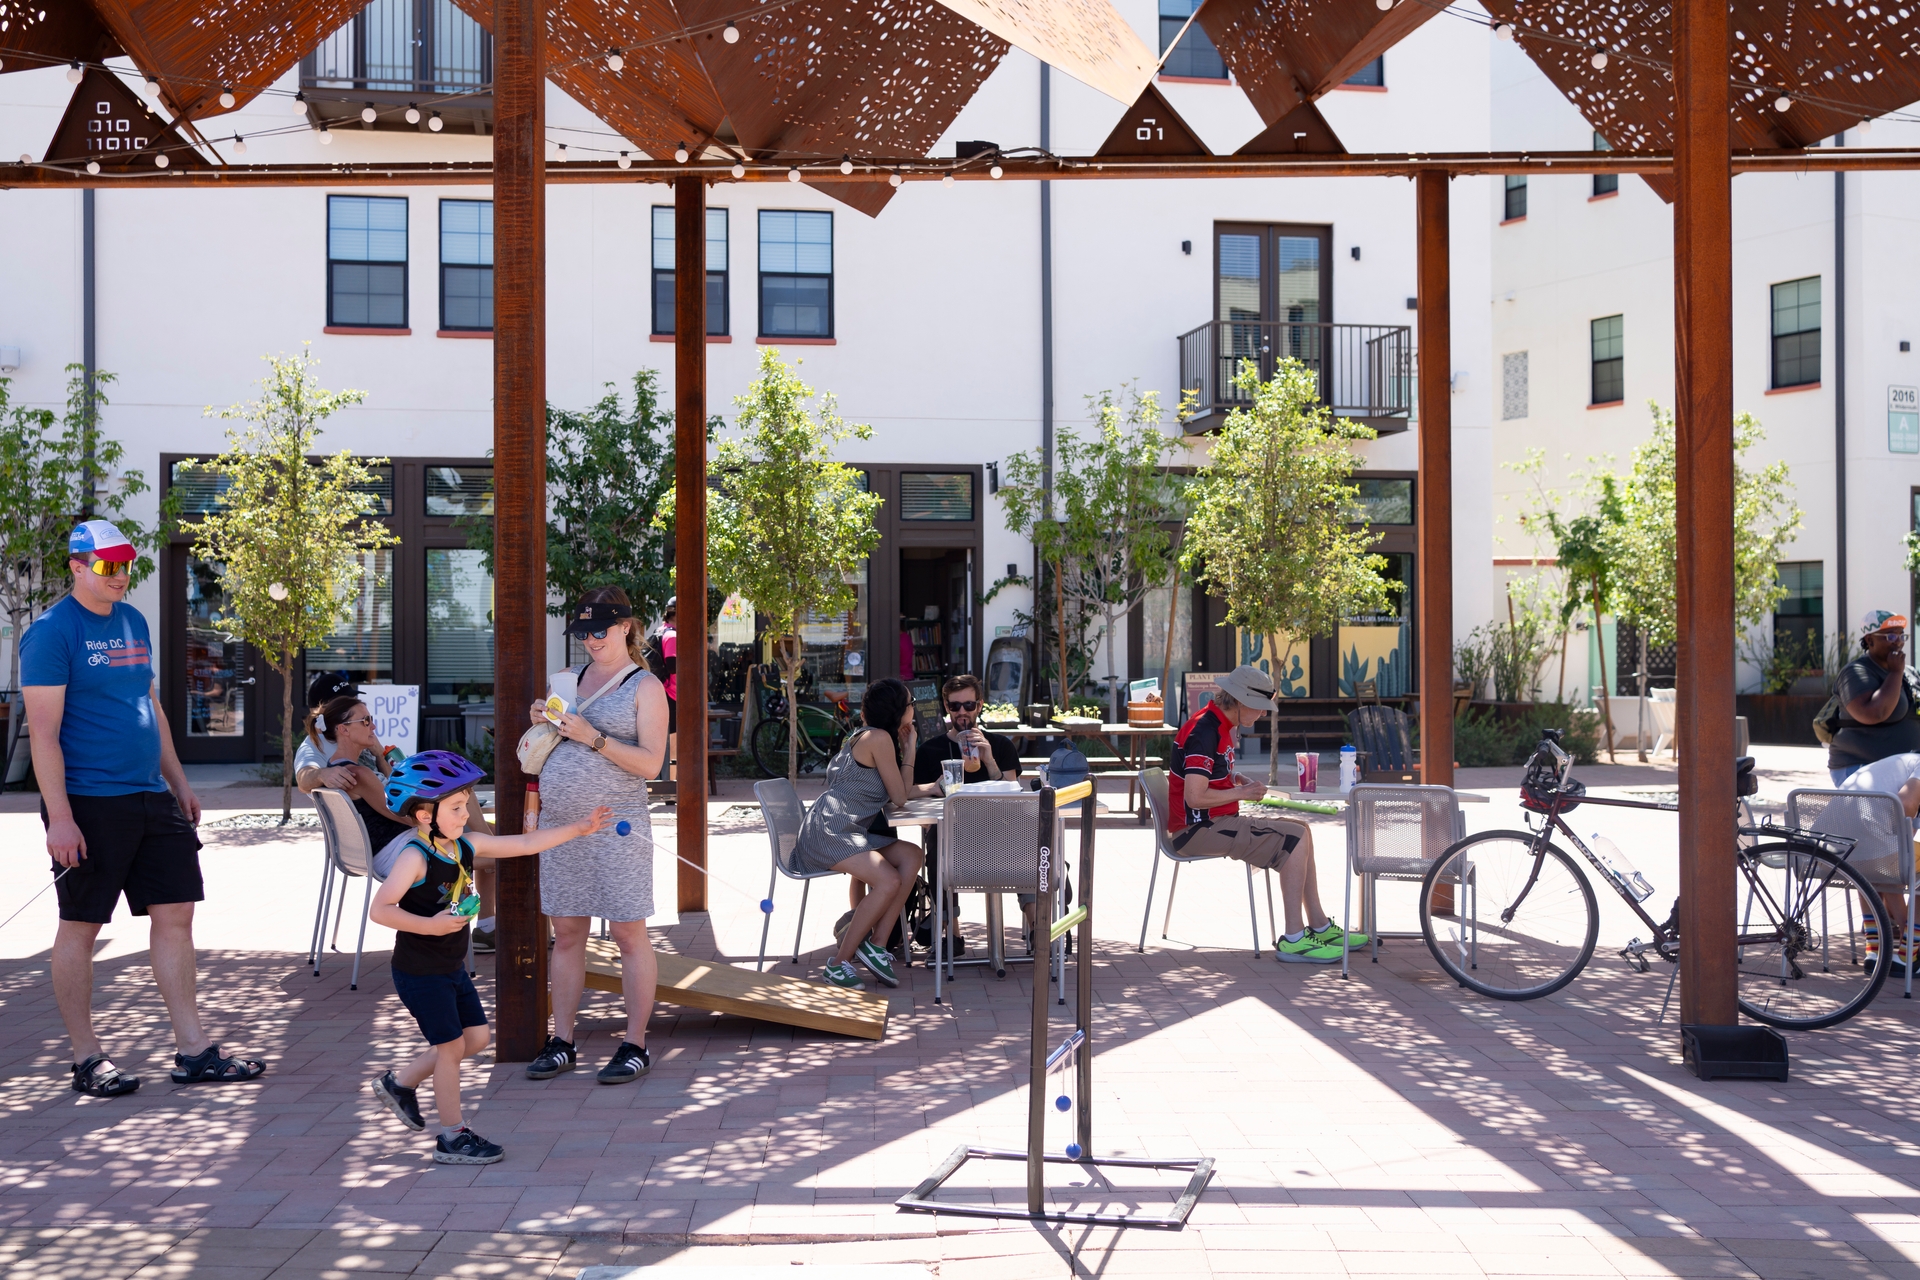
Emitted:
pixel 1371 76
pixel 1513 386
pixel 1516 206
pixel 1194 57
pixel 936 495
pixel 1385 501
pixel 1799 617
pixel 1604 184
pixel 717 292
pixel 796 274
pixel 367 262
pixel 1609 361
pixel 466 264
pixel 1796 332
pixel 459 627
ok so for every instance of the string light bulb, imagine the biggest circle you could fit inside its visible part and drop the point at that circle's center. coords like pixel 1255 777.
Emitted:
pixel 1599 60
pixel 239 145
pixel 893 179
pixel 1502 31
pixel 1783 103
pixel 1383 5
pixel 846 164
pixel 227 99
pixel 738 170
pixel 300 104
pixel 74 73
pixel 625 161
pixel 326 135
pixel 946 180
pixel 161 159
pixel 793 175
pixel 563 153
pixel 680 155
pixel 413 114
pixel 730 33
pixel 1865 127
pixel 435 123
pixel 93 166
pixel 615 62
pixel 368 114
pixel 151 87
pixel 995 172
pixel 25 158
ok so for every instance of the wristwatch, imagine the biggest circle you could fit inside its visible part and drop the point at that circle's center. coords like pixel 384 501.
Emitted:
pixel 599 741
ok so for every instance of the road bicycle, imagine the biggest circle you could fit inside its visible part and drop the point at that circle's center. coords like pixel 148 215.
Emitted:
pixel 822 730
pixel 1511 915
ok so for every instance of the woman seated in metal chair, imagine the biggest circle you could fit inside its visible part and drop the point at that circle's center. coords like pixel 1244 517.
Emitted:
pixel 869 771
pixel 345 729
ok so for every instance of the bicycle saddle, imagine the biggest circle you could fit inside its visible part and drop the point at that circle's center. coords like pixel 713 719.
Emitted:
pixel 1745 781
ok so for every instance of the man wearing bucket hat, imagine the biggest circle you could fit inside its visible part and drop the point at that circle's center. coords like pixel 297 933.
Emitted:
pixel 1203 816
pixel 119 814
pixel 1877 699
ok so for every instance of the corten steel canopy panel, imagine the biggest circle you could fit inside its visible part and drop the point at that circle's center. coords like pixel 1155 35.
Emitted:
pixel 1285 52
pixel 65 30
pixel 1151 127
pixel 1303 131
pixel 1836 63
pixel 107 123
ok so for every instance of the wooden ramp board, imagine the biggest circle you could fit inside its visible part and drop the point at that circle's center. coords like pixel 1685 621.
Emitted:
pixel 770 997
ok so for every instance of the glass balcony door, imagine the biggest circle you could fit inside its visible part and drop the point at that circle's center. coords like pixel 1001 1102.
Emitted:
pixel 1273 289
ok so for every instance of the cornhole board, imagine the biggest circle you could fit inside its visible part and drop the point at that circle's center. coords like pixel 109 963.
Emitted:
pixel 770 997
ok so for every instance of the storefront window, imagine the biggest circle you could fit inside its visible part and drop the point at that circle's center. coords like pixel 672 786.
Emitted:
pixel 459 491
pixel 1288 659
pixel 459 628
pixel 216 700
pixel 1153 635
pixel 363 645
pixel 1379 647
pixel 834 646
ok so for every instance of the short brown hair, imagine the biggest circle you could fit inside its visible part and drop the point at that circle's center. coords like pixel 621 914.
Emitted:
pixel 965 680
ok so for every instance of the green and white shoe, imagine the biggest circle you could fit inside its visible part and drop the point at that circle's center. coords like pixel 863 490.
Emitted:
pixel 841 974
pixel 1332 935
pixel 877 960
pixel 1305 949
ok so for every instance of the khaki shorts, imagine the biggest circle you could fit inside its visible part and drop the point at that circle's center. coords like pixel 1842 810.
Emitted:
pixel 1258 842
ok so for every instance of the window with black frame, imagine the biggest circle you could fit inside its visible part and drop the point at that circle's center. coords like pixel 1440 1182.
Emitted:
pixel 367 262
pixel 1609 360
pixel 466 264
pixel 1194 56
pixel 718 322
pixel 1516 205
pixel 1371 76
pixel 1796 332
pixel 796 273
pixel 1604 184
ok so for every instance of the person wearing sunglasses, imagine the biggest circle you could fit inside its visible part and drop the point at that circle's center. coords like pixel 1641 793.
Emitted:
pixel 344 728
pixel 118 812
pixel 984 756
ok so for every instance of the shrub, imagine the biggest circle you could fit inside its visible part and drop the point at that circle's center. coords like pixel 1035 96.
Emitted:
pixel 1483 740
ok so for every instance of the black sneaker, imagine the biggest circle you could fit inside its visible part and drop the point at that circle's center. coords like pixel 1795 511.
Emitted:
pixel 402 1101
pixel 483 942
pixel 558 1056
pixel 466 1147
pixel 630 1062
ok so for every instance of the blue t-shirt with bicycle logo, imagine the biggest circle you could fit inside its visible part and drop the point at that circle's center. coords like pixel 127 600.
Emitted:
pixel 109 732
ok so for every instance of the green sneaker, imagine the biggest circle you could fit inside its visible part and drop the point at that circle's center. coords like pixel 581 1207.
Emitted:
pixel 1306 949
pixel 1332 935
pixel 842 975
pixel 877 960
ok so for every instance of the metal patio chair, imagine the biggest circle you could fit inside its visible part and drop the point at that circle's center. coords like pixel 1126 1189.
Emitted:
pixel 1394 832
pixel 1883 850
pixel 349 854
pixel 783 810
pixel 1154 783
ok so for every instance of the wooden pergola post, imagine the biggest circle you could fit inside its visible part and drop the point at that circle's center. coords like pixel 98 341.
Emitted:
pixel 1703 384
pixel 519 502
pixel 690 530
pixel 1434 493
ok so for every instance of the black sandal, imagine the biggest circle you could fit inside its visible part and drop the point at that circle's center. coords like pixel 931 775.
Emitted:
pixel 97 1077
pixel 208 1067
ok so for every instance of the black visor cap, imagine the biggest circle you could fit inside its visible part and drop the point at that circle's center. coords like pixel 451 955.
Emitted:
pixel 599 616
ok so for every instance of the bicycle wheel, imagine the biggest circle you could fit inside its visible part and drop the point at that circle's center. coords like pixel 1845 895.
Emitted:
pixel 1523 921
pixel 770 750
pixel 1802 937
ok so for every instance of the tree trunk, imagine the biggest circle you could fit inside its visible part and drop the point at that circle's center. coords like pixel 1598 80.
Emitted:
pixel 789 681
pixel 1060 630
pixel 1560 695
pixel 286 736
pixel 1606 704
pixel 17 700
pixel 1640 712
pixel 1113 684
pixel 1273 716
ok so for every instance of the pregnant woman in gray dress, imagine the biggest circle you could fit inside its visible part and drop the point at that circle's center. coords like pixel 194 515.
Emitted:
pixel 871 768
pixel 614 743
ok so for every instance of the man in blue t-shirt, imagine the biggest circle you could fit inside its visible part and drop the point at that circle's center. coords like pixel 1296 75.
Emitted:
pixel 119 814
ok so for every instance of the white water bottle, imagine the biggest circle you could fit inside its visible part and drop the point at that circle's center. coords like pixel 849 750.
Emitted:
pixel 1619 870
pixel 1349 769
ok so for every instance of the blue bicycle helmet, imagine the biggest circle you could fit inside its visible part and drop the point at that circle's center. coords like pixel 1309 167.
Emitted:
pixel 430 775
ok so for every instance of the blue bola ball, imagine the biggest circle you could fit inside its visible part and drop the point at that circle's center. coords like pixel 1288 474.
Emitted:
pixel 623 828
pixel 1063 1103
pixel 766 905
pixel 1073 1151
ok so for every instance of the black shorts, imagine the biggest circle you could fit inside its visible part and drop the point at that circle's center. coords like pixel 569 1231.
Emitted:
pixel 444 1004
pixel 139 844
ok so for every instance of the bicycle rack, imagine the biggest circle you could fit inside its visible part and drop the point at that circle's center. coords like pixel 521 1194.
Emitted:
pixel 1073 1058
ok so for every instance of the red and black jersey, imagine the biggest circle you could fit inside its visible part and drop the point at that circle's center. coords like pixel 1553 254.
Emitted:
pixel 1203 745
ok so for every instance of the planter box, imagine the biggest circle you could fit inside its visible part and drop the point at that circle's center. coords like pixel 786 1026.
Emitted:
pixel 1780 719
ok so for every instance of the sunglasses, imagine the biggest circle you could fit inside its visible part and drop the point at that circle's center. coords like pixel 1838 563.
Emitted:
pixel 348 724
pixel 962 706
pixel 110 568
pixel 601 634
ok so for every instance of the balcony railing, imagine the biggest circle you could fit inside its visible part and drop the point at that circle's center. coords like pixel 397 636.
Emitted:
pixel 1365 371
pixel 395 53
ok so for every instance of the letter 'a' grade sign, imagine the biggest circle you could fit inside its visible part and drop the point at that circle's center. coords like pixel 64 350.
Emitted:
pixel 1903 420
pixel 108 123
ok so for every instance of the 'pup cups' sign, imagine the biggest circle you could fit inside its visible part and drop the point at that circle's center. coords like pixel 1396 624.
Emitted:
pixel 395 709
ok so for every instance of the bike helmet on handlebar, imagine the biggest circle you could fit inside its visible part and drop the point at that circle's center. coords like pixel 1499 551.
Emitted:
pixel 1545 782
pixel 430 775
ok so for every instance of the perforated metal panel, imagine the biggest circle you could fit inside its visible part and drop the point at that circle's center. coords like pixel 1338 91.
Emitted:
pixel 1394 832
pixel 991 841
pixel 1883 849
pixel 781 807
pixel 1285 52
pixel 347 841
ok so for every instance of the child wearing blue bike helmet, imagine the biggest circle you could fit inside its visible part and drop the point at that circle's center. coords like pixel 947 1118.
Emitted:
pixel 428 900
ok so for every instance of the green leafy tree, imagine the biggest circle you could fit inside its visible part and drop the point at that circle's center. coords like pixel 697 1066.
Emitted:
pixel 289 533
pixel 787 523
pixel 1270 522
pixel 1587 548
pixel 1099 528
pixel 55 471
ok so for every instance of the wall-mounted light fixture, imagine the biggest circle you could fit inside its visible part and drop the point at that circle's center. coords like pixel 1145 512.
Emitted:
pixel 9 359
pixel 993 477
pixel 1355 251
pixel 1413 304
pixel 1186 247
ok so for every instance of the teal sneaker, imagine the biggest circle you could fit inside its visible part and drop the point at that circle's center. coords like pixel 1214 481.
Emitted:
pixel 878 961
pixel 1305 949
pixel 1332 935
pixel 841 974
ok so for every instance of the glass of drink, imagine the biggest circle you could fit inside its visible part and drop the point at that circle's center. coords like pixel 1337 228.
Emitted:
pixel 950 775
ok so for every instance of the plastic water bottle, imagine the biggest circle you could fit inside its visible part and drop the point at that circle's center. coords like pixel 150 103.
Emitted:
pixel 1349 769
pixel 1619 870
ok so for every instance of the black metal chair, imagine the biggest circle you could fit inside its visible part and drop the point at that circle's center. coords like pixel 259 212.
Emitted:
pixel 1381 734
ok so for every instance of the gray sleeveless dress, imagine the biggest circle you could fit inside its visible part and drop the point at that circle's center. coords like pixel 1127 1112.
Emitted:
pixel 604 874
pixel 836 827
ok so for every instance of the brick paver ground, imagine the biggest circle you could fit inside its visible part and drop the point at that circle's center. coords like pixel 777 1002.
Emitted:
pixel 1391 1124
